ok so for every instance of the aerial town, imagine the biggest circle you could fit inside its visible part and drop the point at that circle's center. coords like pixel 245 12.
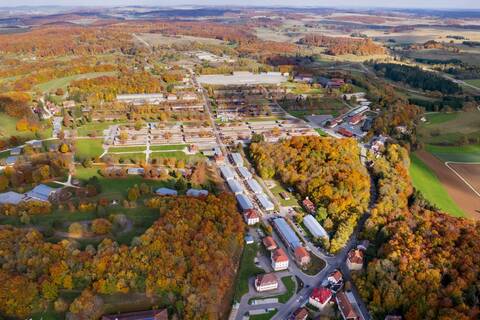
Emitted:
pixel 239 163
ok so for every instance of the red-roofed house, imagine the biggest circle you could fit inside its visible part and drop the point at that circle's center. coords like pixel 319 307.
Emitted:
pixel 251 217
pixel 299 314
pixel 302 257
pixel 356 119
pixel 265 282
pixel 355 259
pixel 344 132
pixel 308 205
pixel 335 277
pixel 279 260
pixel 269 243
pixel 320 297
pixel 345 307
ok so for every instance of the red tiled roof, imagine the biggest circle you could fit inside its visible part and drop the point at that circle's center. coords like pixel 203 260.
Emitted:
pixel 266 279
pixel 279 255
pixel 251 214
pixel 321 294
pixel 345 132
pixel 300 253
pixel 345 306
pixel 268 242
pixel 300 314
pixel 355 256
pixel 337 275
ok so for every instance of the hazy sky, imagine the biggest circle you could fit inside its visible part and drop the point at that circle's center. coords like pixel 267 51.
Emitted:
pixel 457 4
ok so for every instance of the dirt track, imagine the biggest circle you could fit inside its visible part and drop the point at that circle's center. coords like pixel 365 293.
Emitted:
pixel 466 199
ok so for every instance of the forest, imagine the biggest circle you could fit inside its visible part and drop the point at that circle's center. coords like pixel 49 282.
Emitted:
pixel 186 261
pixel 423 264
pixel 341 45
pixel 416 77
pixel 326 170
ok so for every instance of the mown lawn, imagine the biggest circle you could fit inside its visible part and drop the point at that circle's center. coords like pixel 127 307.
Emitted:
pixel 168 147
pixel 88 148
pixel 8 128
pixel 426 181
pixel 246 270
pixel 474 82
pixel 127 149
pixel 278 189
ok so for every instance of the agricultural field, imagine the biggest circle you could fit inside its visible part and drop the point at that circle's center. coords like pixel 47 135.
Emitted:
pixel 155 39
pixel 448 129
pixel 427 182
pixel 467 55
pixel 474 82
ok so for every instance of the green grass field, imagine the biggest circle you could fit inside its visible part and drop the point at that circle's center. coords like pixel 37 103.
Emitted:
pixel 176 154
pixel 64 82
pixel 8 128
pixel 474 82
pixel 426 181
pixel 449 128
pixel 469 153
pixel 437 118
pixel 88 148
pixel 127 149
pixel 321 132
pixel 278 189
pixel 168 147
pixel 96 127
pixel 246 270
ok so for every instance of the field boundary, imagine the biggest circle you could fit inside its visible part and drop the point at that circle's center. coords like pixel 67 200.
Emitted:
pixel 460 176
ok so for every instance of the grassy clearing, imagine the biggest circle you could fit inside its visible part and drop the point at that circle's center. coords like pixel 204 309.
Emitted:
pixel 168 147
pixel 176 154
pixel 88 148
pixel 8 128
pixel 65 81
pixel 96 127
pixel 426 181
pixel 469 153
pixel 127 149
pixel 279 189
pixel 437 118
pixel 246 270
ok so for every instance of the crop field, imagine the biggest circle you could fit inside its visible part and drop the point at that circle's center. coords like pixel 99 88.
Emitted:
pixel 467 55
pixel 444 129
pixel 470 173
pixel 156 39
pixel 458 184
pixel 427 182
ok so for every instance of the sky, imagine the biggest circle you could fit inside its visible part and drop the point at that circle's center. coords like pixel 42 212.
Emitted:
pixel 435 4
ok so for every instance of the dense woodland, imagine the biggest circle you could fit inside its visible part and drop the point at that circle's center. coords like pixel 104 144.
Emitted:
pixel 423 264
pixel 326 170
pixel 343 45
pixel 416 77
pixel 186 261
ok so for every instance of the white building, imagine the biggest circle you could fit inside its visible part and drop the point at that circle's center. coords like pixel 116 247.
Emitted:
pixel 314 227
pixel 265 203
pixel 279 260
pixel 266 282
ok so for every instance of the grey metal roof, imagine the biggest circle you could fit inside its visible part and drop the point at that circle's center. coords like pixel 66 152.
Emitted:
pixel 227 173
pixel 244 202
pixel 237 159
pixel 245 173
pixel 287 233
pixel 166 192
pixel 11 160
pixel 11 198
pixel 314 227
pixel 265 202
pixel 197 192
pixel 41 192
pixel 235 186
pixel 254 186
